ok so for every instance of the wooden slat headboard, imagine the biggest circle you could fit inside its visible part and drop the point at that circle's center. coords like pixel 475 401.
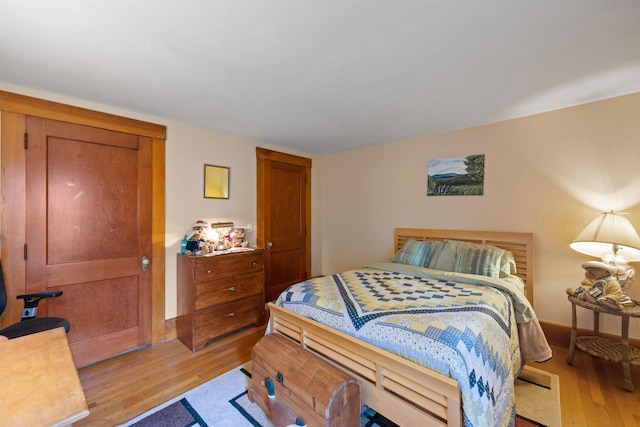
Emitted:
pixel 520 244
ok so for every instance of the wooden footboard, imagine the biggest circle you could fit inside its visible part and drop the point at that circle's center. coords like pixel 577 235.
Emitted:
pixel 404 392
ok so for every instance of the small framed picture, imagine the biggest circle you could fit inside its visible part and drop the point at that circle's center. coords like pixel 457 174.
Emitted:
pixel 456 176
pixel 216 182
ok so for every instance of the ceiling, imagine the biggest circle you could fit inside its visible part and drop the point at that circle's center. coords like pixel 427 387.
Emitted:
pixel 325 76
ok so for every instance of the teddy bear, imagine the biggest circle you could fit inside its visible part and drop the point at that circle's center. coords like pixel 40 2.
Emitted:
pixel 600 286
pixel 194 243
pixel 237 238
pixel 207 247
pixel 196 238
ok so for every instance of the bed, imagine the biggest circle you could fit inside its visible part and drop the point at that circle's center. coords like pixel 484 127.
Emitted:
pixel 403 387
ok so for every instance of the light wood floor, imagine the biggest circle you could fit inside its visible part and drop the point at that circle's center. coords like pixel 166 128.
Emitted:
pixel 124 387
pixel 121 388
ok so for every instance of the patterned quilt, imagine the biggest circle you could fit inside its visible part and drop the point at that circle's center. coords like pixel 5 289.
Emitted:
pixel 464 330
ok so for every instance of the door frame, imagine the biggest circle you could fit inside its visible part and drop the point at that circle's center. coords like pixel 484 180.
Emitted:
pixel 14 109
pixel 263 155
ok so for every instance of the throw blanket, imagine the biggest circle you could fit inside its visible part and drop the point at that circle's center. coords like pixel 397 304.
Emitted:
pixel 462 327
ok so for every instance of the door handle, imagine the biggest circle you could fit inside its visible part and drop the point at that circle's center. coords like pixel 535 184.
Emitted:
pixel 145 262
pixel 269 244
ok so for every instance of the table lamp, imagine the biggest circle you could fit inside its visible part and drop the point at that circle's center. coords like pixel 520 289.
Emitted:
pixel 612 238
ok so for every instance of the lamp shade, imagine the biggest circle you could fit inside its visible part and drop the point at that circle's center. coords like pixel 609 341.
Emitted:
pixel 610 233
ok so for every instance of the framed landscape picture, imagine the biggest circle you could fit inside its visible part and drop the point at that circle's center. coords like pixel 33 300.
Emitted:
pixel 456 176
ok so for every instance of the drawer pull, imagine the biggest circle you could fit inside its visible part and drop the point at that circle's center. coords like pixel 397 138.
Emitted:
pixel 254 263
pixel 232 314
pixel 233 288
pixel 209 271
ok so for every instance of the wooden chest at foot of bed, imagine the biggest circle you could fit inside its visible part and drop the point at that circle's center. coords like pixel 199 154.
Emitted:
pixel 301 385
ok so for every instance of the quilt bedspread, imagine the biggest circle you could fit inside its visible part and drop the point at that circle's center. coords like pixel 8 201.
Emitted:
pixel 463 330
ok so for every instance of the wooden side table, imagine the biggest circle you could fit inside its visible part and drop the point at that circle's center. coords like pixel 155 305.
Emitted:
pixel 40 383
pixel 604 348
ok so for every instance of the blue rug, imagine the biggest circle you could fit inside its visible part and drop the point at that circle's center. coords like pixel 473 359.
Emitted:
pixel 178 414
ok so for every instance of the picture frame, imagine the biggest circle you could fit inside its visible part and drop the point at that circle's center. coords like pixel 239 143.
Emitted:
pixel 456 176
pixel 216 181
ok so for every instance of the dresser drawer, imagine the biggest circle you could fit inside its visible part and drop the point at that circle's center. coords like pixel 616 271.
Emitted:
pixel 219 320
pixel 220 291
pixel 218 294
pixel 219 266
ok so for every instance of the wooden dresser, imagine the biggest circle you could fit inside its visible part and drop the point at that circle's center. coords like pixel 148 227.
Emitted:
pixel 219 294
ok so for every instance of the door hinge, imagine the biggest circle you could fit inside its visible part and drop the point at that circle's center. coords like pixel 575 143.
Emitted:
pixel 24 252
pixel 26 140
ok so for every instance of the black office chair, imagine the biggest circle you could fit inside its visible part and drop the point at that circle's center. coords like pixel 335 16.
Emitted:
pixel 30 324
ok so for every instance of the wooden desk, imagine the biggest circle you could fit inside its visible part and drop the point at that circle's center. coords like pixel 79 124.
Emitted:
pixel 40 383
pixel 595 345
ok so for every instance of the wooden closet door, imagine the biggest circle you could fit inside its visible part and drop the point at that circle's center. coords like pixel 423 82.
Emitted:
pixel 88 203
pixel 284 219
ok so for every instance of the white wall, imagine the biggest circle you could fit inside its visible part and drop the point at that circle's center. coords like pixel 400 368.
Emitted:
pixel 548 174
pixel 188 149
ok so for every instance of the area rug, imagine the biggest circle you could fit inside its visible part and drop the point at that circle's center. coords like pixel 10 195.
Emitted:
pixel 538 398
pixel 223 402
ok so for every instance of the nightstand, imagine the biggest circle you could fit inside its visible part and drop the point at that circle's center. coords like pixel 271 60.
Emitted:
pixel 601 347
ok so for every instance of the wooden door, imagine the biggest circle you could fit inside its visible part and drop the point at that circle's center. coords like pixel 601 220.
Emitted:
pixel 284 219
pixel 88 205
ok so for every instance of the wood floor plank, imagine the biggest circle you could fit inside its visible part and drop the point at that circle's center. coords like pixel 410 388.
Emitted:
pixel 592 392
pixel 126 386
pixel 120 389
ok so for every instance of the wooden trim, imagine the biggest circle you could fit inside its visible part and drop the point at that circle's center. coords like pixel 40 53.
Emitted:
pixel 557 335
pixel 158 220
pixel 12 206
pixel 27 105
pixel 170 329
pixel 263 153
pixel 560 335
pixel 13 111
pixel 520 244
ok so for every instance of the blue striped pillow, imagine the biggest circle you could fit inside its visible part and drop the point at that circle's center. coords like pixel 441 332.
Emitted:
pixel 485 262
pixel 417 253
pixel 445 259
pixel 475 258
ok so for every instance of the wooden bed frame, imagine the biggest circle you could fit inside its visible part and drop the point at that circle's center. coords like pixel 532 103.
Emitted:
pixel 404 392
